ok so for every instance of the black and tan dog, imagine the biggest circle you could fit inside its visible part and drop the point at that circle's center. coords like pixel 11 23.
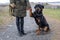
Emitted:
pixel 39 18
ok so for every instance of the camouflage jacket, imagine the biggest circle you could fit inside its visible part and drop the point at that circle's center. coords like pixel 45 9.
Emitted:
pixel 20 8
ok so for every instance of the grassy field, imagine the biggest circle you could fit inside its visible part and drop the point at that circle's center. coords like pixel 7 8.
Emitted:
pixel 4 15
pixel 54 13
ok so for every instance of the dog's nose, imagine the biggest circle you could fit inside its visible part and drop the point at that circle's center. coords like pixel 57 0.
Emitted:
pixel 37 9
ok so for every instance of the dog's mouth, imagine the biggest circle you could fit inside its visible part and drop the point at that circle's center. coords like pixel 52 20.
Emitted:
pixel 38 10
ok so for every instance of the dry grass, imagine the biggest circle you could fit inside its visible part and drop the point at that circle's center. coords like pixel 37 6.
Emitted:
pixel 54 13
pixel 5 18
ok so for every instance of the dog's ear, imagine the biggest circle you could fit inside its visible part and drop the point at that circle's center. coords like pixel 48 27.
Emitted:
pixel 42 7
pixel 35 6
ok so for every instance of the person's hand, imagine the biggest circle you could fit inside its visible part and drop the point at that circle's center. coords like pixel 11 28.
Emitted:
pixel 27 8
pixel 12 5
pixel 30 10
pixel 31 14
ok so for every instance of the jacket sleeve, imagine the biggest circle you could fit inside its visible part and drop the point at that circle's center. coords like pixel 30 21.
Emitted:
pixel 11 9
pixel 28 4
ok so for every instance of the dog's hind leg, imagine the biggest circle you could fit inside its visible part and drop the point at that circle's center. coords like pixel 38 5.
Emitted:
pixel 46 29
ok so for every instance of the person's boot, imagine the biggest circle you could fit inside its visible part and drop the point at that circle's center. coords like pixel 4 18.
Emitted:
pixel 23 33
pixel 20 34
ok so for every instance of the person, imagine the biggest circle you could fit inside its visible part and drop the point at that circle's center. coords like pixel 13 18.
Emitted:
pixel 18 10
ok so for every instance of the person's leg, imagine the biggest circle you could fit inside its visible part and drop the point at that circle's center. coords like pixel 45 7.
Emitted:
pixel 17 24
pixel 21 21
pixel 22 24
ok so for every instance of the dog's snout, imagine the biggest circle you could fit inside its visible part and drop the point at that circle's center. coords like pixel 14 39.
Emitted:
pixel 38 9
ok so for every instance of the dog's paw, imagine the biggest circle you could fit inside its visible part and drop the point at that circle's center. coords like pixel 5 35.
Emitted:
pixel 38 32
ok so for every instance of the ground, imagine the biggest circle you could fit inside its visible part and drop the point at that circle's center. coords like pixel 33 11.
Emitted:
pixel 11 33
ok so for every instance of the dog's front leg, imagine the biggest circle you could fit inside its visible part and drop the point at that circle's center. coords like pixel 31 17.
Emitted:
pixel 31 14
pixel 38 20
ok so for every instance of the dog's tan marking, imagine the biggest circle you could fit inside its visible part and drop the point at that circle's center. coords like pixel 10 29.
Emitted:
pixel 45 29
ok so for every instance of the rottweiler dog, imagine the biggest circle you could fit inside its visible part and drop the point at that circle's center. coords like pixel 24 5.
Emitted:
pixel 39 18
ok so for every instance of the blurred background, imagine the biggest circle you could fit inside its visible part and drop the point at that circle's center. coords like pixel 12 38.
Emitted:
pixel 51 11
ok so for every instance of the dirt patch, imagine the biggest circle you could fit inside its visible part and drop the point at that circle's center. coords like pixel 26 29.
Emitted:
pixel 55 27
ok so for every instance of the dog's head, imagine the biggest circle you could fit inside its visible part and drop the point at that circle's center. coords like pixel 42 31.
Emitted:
pixel 39 7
